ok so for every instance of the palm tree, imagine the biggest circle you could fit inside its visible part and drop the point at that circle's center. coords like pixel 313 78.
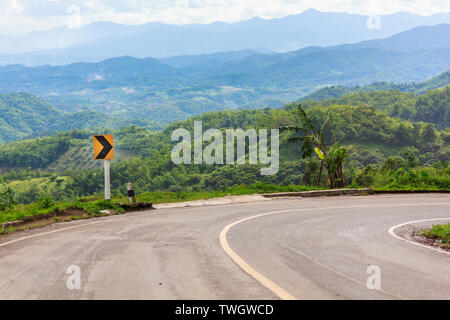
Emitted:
pixel 312 140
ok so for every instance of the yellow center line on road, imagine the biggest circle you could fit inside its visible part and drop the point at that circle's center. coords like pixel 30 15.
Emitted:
pixel 280 292
pixel 266 282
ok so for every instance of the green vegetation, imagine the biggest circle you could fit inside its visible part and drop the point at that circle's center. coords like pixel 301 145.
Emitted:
pixel 46 205
pixel 150 92
pixel 333 157
pixel 432 107
pixel 23 115
pixel 440 232
pixel 54 172
pixel 397 174
pixel 370 137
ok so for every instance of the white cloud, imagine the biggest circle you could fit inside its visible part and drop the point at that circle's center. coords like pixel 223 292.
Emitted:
pixel 95 77
pixel 44 14
pixel 128 90
pixel 74 19
pixel 11 7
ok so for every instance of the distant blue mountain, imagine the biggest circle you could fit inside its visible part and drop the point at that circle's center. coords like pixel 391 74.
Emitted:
pixel 414 55
pixel 104 40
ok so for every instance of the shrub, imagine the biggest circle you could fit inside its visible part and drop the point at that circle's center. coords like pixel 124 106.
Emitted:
pixel 438 231
pixel 365 177
pixel 45 201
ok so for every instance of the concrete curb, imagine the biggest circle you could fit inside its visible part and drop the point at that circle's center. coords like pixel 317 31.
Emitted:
pixel 213 201
pixel 138 206
pixel 320 193
pixel 409 191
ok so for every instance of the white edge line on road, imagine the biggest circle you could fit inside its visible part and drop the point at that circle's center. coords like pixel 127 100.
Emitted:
pixel 49 232
pixel 269 284
pixel 391 231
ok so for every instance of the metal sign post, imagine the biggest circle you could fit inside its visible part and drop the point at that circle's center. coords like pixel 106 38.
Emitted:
pixel 107 165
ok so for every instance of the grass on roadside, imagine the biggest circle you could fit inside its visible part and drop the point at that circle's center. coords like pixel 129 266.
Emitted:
pixel 94 204
pixel 92 208
pixel 440 232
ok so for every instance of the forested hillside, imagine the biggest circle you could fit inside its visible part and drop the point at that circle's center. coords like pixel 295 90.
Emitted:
pixel 372 138
pixel 432 107
pixel 24 115
pixel 168 90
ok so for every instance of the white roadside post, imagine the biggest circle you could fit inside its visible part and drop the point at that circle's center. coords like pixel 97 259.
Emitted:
pixel 130 190
pixel 107 165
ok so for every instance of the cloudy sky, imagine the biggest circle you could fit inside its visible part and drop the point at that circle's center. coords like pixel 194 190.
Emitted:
pixel 19 16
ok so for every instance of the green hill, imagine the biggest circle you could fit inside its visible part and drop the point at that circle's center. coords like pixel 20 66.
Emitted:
pixel 69 150
pixel 143 157
pixel 432 107
pixel 24 115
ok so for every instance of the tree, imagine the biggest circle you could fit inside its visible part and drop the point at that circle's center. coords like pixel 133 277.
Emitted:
pixel 429 135
pixel 6 196
pixel 314 140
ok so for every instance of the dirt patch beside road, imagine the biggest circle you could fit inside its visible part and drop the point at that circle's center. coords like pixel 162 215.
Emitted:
pixel 436 243
pixel 413 232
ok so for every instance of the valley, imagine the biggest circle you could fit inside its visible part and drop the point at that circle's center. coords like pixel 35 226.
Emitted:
pixel 384 102
pixel 152 93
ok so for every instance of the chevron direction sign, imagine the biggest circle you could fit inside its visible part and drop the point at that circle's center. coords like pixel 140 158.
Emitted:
pixel 103 147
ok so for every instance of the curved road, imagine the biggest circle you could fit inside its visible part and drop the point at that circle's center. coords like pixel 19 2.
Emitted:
pixel 309 248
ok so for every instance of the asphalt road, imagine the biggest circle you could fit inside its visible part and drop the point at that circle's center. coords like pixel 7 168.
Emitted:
pixel 309 248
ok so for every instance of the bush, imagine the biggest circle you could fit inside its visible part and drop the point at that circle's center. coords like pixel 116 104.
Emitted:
pixel 439 232
pixel 94 207
pixel 6 199
pixel 365 177
pixel 45 201
pixel 393 164
pixel 176 188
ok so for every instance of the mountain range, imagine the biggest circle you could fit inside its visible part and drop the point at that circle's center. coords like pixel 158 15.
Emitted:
pixel 165 90
pixel 103 40
pixel 328 92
